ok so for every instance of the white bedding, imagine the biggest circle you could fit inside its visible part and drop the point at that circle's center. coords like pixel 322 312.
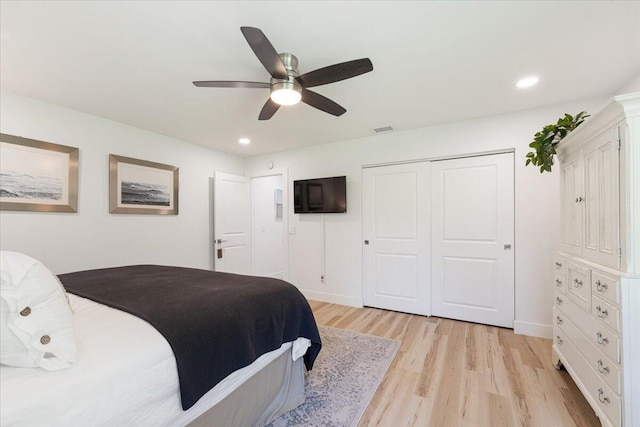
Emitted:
pixel 125 375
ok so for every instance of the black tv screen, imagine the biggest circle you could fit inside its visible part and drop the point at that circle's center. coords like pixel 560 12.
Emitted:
pixel 320 195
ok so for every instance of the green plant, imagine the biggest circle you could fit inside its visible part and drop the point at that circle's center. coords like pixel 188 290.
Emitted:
pixel 545 142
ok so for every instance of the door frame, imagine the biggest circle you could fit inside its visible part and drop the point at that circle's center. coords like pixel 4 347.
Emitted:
pixel 285 213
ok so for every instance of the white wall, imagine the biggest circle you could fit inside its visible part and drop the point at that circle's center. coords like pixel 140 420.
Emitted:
pixel 267 231
pixel 633 85
pixel 537 207
pixel 93 237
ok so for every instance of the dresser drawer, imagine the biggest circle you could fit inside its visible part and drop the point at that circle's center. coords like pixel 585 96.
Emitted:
pixel 608 371
pixel 560 283
pixel 606 312
pixel 608 402
pixel 601 336
pixel 605 286
pixel 579 285
pixel 559 265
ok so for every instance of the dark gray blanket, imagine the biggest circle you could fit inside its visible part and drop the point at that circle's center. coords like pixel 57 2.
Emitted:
pixel 216 323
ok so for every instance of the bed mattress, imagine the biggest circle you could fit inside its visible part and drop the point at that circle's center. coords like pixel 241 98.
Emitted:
pixel 125 375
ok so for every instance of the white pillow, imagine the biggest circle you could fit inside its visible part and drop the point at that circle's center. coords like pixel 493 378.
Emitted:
pixel 36 322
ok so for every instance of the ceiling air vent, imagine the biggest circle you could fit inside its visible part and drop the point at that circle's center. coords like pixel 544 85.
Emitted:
pixel 383 129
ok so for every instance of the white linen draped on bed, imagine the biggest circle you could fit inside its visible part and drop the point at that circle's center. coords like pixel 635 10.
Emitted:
pixel 125 375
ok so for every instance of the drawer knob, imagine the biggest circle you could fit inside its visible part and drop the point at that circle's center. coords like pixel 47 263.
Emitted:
pixel 577 283
pixel 558 300
pixel 602 398
pixel 603 369
pixel 558 282
pixel 601 287
pixel 602 340
pixel 558 339
pixel 559 320
pixel 602 313
pixel 558 265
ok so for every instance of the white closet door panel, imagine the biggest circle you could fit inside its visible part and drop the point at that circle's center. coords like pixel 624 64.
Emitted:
pixel 471 239
pixel 396 242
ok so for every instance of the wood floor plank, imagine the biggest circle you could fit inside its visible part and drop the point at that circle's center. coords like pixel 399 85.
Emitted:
pixel 452 373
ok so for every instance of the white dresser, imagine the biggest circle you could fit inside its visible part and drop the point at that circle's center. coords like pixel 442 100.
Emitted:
pixel 596 313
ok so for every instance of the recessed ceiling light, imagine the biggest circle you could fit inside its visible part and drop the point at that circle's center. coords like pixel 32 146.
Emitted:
pixel 527 82
pixel 244 141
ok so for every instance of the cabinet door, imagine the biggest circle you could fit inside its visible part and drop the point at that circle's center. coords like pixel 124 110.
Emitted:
pixel 572 206
pixel 601 199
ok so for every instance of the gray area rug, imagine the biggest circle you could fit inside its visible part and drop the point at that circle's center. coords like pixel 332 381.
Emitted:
pixel 344 378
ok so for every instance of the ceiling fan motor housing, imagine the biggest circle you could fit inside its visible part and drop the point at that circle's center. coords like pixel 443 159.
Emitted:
pixel 290 83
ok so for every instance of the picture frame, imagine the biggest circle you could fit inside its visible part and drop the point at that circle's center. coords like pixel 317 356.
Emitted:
pixel 142 187
pixel 37 175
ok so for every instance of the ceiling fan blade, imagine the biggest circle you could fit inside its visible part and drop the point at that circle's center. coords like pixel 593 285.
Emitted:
pixel 251 85
pixel 322 103
pixel 268 110
pixel 265 52
pixel 335 73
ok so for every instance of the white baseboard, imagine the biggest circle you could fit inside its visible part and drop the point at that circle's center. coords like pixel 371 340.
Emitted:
pixel 519 327
pixel 533 329
pixel 333 298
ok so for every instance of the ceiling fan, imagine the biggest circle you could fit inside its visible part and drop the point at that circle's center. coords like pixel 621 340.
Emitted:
pixel 287 86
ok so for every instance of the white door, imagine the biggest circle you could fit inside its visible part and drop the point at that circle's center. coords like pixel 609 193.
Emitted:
pixel 232 223
pixel 395 233
pixel 268 209
pixel 472 239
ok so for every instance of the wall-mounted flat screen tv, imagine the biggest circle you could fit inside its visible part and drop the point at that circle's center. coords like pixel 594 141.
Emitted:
pixel 320 195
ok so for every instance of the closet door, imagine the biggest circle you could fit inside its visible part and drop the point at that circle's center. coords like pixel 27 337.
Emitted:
pixel 471 239
pixel 396 240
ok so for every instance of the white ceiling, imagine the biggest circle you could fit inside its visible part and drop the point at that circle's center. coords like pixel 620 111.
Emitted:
pixel 434 62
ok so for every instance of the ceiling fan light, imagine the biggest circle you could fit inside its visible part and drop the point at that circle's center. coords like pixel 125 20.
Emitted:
pixel 527 82
pixel 286 93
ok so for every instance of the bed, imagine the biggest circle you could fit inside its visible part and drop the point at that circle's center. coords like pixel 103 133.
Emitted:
pixel 128 372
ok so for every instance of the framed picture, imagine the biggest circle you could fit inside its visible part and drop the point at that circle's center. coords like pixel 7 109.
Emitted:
pixel 37 175
pixel 142 187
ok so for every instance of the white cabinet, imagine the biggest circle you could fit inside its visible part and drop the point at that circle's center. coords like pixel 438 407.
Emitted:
pixel 590 189
pixel 597 268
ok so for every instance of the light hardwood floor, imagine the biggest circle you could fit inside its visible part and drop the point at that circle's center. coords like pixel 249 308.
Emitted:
pixel 450 373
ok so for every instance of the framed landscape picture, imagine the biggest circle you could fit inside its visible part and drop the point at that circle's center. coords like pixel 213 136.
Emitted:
pixel 37 175
pixel 142 187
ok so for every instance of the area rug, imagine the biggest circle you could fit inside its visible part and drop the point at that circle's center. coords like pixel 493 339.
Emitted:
pixel 344 378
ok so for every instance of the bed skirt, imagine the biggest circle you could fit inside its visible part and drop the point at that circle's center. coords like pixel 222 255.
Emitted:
pixel 274 390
